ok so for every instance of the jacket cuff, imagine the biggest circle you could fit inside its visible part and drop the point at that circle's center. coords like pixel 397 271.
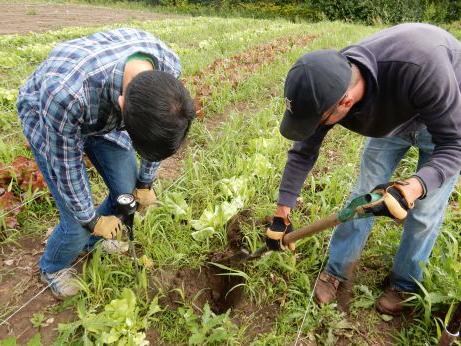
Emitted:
pixel 287 199
pixel 423 185
pixel 431 178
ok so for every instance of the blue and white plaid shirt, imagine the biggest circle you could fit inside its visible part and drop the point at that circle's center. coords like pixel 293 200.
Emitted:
pixel 74 94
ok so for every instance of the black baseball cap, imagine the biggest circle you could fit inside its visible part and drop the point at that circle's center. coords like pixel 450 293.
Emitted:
pixel 316 82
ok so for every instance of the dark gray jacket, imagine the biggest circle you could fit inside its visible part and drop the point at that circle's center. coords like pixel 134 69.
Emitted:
pixel 413 74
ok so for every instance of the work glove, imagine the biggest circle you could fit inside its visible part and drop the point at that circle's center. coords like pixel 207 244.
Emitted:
pixel 394 204
pixel 108 227
pixel 144 196
pixel 275 233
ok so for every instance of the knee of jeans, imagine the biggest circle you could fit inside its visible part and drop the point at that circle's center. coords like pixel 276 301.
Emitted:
pixel 418 226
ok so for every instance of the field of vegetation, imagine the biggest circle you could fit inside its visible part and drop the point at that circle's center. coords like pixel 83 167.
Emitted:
pixel 214 197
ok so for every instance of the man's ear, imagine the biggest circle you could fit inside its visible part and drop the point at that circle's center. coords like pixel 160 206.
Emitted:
pixel 347 102
pixel 121 101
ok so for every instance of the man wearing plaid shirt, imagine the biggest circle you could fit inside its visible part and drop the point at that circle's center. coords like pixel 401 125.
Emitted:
pixel 107 95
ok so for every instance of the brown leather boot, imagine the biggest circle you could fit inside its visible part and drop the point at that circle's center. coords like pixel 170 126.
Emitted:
pixel 391 302
pixel 326 288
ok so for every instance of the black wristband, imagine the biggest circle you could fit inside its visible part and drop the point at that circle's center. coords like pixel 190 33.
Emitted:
pixel 90 225
pixel 141 185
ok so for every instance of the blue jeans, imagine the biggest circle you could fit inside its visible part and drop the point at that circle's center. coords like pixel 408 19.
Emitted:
pixel 421 227
pixel 118 168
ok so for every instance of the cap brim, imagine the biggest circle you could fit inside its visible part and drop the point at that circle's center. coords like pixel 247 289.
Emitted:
pixel 298 128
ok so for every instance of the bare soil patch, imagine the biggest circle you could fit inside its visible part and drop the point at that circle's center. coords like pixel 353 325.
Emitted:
pixel 23 18
pixel 19 282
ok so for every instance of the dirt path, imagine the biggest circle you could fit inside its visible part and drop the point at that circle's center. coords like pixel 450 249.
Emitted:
pixel 19 282
pixel 24 18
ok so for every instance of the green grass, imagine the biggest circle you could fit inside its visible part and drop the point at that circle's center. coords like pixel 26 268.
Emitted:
pixel 248 150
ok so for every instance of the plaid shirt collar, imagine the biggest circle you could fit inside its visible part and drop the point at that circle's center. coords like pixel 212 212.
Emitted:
pixel 116 87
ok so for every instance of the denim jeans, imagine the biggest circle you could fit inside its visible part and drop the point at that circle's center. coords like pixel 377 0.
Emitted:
pixel 118 168
pixel 379 160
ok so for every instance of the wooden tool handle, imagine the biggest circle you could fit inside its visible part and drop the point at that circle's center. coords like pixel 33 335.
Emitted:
pixel 313 228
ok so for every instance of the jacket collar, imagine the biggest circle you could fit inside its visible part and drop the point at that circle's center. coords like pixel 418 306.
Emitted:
pixel 365 58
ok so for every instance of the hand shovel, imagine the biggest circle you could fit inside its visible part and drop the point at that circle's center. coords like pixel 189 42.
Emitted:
pixel 355 210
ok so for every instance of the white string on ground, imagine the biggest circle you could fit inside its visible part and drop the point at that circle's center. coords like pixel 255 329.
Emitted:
pixel 312 295
pixel 45 288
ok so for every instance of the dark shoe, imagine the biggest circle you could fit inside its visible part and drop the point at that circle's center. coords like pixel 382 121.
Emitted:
pixel 391 302
pixel 326 288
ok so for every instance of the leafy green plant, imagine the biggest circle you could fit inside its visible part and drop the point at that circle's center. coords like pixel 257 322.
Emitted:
pixel 209 329
pixel 365 298
pixel 176 205
pixel 38 319
pixel 35 340
pixel 212 220
pixel 120 322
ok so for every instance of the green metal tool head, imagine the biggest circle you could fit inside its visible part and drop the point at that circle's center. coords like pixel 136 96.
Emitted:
pixel 350 212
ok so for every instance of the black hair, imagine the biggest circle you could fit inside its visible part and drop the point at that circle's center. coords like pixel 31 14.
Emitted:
pixel 158 113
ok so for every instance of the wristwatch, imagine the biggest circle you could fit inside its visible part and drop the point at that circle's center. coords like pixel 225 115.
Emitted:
pixel 90 225
pixel 141 185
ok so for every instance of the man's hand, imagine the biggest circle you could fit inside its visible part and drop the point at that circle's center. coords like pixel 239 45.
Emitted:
pixel 399 197
pixel 108 227
pixel 412 190
pixel 144 198
pixel 282 211
pixel 280 226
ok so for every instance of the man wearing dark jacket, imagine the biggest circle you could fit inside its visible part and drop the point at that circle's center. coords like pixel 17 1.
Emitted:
pixel 399 87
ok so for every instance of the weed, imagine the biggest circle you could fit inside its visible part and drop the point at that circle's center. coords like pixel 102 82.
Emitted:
pixel 209 329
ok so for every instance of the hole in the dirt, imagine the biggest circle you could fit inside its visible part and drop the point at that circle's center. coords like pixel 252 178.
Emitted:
pixel 226 290
pixel 211 283
pixel 201 286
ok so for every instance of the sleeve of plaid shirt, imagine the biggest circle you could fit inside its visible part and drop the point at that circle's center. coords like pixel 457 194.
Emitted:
pixel 148 171
pixel 62 112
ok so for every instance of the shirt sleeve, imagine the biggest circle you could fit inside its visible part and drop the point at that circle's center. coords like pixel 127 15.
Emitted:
pixel 148 171
pixel 62 112
pixel 438 100
pixel 301 158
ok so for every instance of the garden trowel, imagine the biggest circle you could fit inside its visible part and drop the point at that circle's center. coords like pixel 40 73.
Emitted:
pixel 356 209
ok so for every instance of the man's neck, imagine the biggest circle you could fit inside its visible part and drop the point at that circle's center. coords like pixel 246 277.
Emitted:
pixel 358 91
pixel 132 68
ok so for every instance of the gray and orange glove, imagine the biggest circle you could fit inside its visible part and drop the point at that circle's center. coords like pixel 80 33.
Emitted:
pixel 108 227
pixel 395 204
pixel 144 196
pixel 276 232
